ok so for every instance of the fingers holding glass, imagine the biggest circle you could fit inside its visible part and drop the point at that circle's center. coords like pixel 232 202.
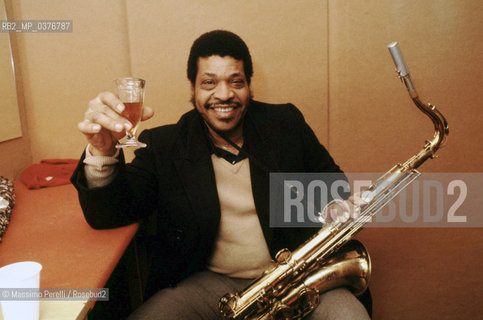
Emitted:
pixel 106 110
pixel 103 125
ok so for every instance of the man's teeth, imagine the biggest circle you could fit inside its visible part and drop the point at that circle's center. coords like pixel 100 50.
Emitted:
pixel 223 109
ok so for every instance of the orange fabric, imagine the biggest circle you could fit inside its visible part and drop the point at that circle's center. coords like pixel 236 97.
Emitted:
pixel 47 226
pixel 49 173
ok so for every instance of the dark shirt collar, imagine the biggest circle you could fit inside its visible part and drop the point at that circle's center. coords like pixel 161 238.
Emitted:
pixel 228 156
pixel 221 153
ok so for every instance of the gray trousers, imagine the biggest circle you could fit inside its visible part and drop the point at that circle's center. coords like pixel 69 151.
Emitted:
pixel 197 298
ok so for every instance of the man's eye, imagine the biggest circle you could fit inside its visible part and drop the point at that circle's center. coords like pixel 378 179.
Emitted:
pixel 238 83
pixel 208 84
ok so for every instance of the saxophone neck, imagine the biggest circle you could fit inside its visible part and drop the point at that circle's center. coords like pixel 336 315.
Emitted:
pixel 441 129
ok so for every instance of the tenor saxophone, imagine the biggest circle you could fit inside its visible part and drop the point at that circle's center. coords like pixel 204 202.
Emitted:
pixel 290 287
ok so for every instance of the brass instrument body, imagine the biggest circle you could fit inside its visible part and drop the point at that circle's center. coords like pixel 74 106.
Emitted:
pixel 350 266
pixel 290 288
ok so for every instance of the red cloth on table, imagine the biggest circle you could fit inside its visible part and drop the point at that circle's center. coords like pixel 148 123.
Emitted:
pixel 49 173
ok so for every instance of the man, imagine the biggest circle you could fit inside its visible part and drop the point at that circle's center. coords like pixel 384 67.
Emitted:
pixel 206 180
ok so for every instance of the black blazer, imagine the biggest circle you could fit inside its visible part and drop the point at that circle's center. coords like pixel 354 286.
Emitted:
pixel 172 179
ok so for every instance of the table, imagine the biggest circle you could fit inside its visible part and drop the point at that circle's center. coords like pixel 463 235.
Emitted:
pixel 47 226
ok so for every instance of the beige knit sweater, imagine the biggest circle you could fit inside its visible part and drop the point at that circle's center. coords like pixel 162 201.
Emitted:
pixel 240 250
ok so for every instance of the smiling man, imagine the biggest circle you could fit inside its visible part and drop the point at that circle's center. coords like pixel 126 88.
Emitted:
pixel 205 180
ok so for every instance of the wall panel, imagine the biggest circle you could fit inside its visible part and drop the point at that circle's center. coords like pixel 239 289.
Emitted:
pixel 373 123
pixel 15 154
pixel 419 273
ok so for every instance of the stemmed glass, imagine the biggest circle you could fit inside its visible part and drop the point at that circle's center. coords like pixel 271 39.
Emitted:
pixel 131 92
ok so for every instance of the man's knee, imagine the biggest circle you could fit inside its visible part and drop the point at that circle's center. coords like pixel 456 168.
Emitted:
pixel 339 304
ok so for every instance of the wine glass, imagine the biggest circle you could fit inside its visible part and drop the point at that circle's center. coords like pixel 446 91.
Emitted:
pixel 131 92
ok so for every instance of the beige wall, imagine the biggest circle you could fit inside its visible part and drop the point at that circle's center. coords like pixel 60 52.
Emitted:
pixel 373 124
pixel 328 57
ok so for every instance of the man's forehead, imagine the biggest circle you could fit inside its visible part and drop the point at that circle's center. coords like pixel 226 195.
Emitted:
pixel 215 64
pixel 220 67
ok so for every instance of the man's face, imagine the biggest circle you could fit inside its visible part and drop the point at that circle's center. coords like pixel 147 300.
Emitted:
pixel 221 92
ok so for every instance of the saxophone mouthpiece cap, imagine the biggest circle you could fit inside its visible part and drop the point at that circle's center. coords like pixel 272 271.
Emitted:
pixel 398 59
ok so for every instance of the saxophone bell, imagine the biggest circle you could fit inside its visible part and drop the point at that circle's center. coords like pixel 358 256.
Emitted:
pixel 349 267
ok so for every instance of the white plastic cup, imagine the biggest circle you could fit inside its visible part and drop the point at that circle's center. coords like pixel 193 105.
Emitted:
pixel 19 275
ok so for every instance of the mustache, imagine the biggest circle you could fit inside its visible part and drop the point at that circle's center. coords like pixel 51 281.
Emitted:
pixel 193 100
pixel 218 104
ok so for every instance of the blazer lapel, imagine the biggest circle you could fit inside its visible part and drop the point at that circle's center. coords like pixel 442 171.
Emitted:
pixel 264 152
pixel 193 162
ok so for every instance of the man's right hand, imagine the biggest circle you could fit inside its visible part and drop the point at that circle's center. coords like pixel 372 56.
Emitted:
pixel 103 124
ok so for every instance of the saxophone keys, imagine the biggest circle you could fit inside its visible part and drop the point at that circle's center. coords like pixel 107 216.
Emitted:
pixel 283 256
